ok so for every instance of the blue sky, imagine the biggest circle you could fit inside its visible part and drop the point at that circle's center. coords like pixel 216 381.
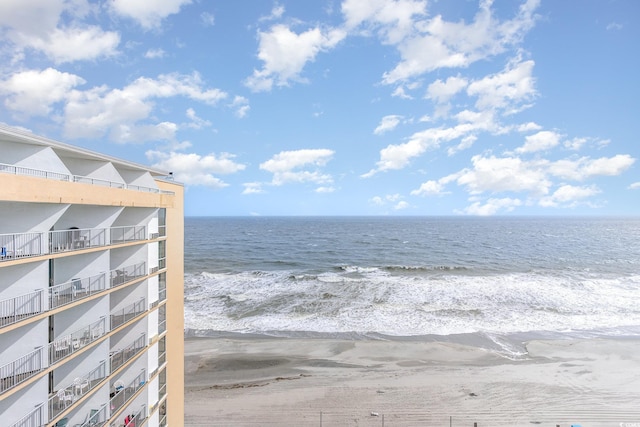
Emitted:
pixel 353 107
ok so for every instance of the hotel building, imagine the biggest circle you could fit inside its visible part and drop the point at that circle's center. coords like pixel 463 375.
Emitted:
pixel 91 288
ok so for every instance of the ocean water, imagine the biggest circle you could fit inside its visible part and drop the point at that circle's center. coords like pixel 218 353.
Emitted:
pixel 498 280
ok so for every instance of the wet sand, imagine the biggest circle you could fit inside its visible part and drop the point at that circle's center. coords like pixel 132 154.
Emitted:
pixel 325 382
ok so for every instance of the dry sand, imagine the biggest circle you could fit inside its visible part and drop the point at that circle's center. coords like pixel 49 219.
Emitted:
pixel 320 382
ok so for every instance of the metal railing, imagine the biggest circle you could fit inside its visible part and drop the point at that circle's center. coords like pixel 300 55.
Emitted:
pixel 132 420
pixel 21 369
pixel 64 397
pixel 162 295
pixel 66 345
pixel 21 170
pixel 20 245
pixel 33 419
pixel 21 307
pixel 98 181
pixel 122 316
pixel 126 234
pixel 76 289
pixel 96 417
pixel 162 358
pixel 77 238
pixel 162 263
pixel 124 394
pixel 127 274
pixel 162 327
pixel 163 421
pixel 120 357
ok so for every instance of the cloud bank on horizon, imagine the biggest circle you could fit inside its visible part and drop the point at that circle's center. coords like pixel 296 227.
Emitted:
pixel 352 107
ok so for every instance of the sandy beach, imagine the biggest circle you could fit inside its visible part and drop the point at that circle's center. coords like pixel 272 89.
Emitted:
pixel 326 382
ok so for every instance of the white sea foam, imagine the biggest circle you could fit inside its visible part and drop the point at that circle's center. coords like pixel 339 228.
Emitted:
pixel 408 304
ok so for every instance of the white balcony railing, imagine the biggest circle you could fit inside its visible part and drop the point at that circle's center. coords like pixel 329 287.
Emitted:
pixel 19 245
pixel 120 357
pixel 96 417
pixel 76 289
pixel 33 419
pixel 20 170
pixel 13 310
pixel 64 397
pixel 123 275
pixel 21 369
pixel 124 394
pixel 132 420
pixel 66 345
pixel 129 312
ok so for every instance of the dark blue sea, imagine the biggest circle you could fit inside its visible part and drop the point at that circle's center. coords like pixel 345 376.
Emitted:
pixel 498 280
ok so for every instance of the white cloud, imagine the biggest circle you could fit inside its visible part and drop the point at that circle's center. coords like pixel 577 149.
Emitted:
pixel 154 53
pixel 285 53
pixel 492 174
pixel 429 188
pixel 392 19
pixel 252 188
pixel 241 106
pixel 194 169
pixel 528 127
pixel 276 13
pixel 568 195
pixel 505 90
pixel 33 92
pixel 614 26
pixel 575 144
pixel 118 112
pixel 401 205
pixel 289 166
pixel 541 141
pixel 395 199
pixel 75 44
pixel 195 121
pixel 465 143
pixel 492 206
pixel 442 44
pixel 208 19
pixel 398 156
pixel 400 93
pixel 387 124
pixel 585 167
pixel 441 91
pixel 324 190
pixel 634 186
pixel 148 13
pixel 36 24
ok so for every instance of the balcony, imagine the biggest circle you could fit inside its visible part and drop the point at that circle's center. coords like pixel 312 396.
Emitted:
pixel 34 419
pixel 129 312
pixel 96 417
pixel 76 289
pixel 19 170
pixel 120 357
pixel 65 397
pixel 13 310
pixel 132 421
pixel 21 369
pixel 67 345
pixel 20 245
pixel 123 394
pixel 127 274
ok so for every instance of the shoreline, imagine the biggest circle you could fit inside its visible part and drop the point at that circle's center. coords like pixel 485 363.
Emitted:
pixel 257 380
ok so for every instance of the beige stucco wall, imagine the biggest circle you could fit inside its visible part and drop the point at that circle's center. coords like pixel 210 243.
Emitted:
pixel 20 188
pixel 175 305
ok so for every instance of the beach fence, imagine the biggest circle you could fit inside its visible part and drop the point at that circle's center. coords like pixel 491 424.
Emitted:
pixel 338 418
